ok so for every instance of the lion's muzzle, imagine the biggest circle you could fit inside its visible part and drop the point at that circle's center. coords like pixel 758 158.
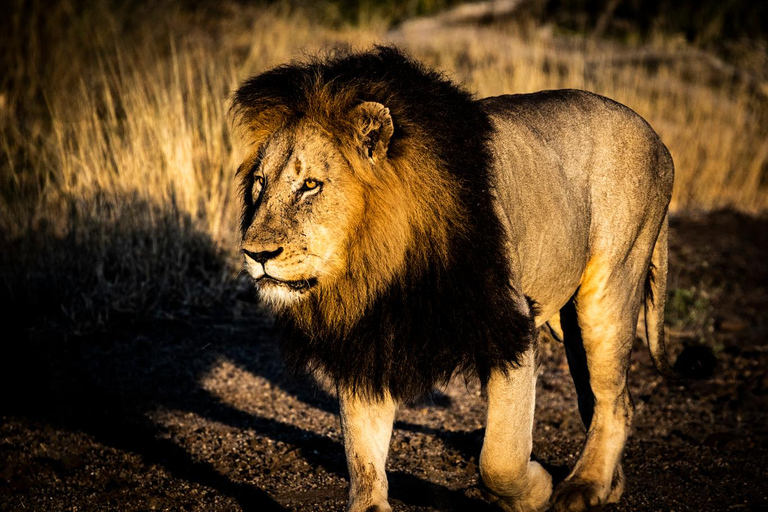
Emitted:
pixel 262 256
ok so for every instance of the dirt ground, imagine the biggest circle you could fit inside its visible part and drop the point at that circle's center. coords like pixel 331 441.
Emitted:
pixel 196 414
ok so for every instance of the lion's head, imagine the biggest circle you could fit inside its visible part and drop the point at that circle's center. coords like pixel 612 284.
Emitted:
pixel 333 198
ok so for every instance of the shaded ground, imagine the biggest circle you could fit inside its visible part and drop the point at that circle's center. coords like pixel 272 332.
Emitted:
pixel 197 415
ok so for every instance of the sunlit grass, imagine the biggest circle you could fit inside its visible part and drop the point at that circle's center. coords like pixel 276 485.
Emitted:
pixel 117 160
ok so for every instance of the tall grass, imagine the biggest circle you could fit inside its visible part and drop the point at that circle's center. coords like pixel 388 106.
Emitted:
pixel 714 122
pixel 117 188
pixel 116 171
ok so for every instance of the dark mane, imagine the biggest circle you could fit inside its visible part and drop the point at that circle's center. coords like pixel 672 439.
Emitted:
pixel 452 311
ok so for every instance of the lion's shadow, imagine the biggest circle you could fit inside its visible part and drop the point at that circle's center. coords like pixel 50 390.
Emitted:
pixel 109 390
pixel 108 385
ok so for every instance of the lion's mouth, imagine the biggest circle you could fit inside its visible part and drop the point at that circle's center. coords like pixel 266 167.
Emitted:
pixel 301 285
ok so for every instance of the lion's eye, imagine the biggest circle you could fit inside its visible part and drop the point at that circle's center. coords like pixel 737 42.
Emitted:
pixel 258 184
pixel 310 184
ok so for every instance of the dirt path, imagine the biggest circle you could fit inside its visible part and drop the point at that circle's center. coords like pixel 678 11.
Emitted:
pixel 197 415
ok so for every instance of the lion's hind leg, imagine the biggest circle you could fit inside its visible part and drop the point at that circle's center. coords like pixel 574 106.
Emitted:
pixel 599 329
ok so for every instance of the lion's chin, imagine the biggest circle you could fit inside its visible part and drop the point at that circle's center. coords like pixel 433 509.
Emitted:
pixel 279 294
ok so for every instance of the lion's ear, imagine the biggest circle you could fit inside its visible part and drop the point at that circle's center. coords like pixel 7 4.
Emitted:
pixel 374 129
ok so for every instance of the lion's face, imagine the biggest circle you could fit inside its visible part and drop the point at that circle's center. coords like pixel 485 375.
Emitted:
pixel 341 203
pixel 301 202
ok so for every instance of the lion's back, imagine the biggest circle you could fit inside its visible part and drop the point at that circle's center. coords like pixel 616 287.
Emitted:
pixel 585 133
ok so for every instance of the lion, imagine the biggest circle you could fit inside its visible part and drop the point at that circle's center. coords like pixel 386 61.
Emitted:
pixel 403 232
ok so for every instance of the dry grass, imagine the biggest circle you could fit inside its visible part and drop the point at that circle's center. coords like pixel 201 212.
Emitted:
pixel 116 169
pixel 715 124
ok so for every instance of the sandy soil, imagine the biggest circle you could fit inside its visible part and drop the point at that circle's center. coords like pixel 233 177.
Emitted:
pixel 196 414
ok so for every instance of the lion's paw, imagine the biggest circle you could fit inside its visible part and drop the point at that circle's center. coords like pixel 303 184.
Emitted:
pixel 578 496
pixel 376 507
pixel 534 497
pixel 379 508
pixel 512 505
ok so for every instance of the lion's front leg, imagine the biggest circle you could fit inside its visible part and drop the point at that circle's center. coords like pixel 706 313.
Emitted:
pixel 515 482
pixel 367 428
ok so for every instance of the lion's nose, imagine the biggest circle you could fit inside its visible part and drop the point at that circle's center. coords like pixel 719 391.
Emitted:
pixel 263 256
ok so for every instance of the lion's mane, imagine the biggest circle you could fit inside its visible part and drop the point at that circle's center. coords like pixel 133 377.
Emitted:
pixel 427 290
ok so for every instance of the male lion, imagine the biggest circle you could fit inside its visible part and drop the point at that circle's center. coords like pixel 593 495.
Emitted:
pixel 402 232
